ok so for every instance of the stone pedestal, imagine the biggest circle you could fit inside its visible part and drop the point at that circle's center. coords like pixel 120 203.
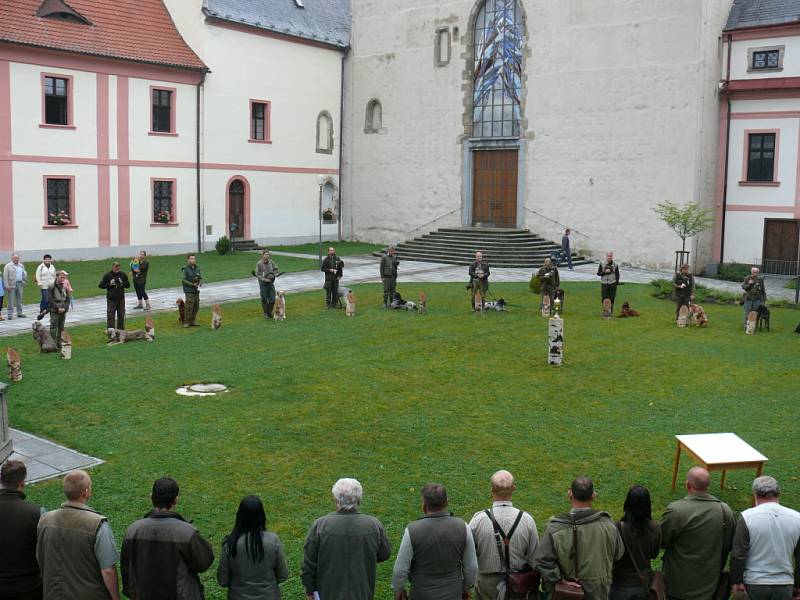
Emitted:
pixel 5 435
pixel 555 341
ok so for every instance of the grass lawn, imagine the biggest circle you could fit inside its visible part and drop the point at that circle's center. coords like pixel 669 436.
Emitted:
pixel 398 399
pixel 342 248
pixel 165 271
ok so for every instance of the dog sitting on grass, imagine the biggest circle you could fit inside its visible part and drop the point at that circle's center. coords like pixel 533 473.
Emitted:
pixel 181 310
pixel 763 317
pixel 422 305
pixel 350 304
pixel 627 312
pixel 43 338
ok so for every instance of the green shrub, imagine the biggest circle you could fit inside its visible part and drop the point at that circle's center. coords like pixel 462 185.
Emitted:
pixel 223 245
pixel 733 271
pixel 791 284
pixel 662 288
pixel 535 285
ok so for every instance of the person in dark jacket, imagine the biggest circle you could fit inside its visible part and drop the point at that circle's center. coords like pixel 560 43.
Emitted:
pixel 19 571
pixel 343 548
pixel 251 562
pixel 115 282
pixel 389 262
pixel 683 287
pixel 162 554
pixel 333 267
pixel 478 278
pixel 139 268
pixel 608 272
pixel 58 301
pixel 191 280
pixel 641 537
pixel 550 282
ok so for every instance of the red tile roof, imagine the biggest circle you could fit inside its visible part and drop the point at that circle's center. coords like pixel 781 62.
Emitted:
pixel 139 30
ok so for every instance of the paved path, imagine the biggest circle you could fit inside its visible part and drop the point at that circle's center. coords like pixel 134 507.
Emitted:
pixel 358 269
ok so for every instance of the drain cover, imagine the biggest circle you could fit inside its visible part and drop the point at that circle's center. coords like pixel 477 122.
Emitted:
pixel 201 389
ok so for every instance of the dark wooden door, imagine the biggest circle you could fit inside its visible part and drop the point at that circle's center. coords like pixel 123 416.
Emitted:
pixel 780 239
pixel 236 209
pixel 494 188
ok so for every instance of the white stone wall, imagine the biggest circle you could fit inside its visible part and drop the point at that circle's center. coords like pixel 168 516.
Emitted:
pixel 620 114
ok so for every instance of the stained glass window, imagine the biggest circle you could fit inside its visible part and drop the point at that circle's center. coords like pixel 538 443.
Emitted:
pixel 497 70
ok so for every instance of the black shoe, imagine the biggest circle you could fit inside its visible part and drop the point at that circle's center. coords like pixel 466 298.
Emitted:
pixel 41 316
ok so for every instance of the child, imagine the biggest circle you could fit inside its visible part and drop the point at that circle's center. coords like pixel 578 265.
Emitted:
pixel 68 287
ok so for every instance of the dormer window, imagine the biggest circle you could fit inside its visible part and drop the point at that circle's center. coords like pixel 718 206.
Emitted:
pixel 58 9
pixel 767 59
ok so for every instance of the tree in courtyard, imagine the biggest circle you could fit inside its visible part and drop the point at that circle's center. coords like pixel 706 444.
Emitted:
pixel 686 221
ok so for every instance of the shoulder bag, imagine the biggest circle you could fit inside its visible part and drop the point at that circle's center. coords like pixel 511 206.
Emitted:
pixel 724 583
pixel 518 583
pixel 570 589
pixel 655 589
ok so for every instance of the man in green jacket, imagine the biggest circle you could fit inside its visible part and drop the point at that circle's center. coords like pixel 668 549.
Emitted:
pixel 696 534
pixel 343 548
pixel 191 290
pixel 683 286
pixel 598 546
pixel 389 263
pixel 266 273
pixel 755 293
pixel 549 281
pixel 58 300
pixel 333 267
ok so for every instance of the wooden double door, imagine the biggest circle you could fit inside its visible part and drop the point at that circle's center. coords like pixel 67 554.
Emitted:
pixel 494 188
pixel 781 238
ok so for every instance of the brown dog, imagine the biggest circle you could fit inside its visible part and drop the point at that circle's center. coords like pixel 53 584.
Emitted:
pixel 698 315
pixel 627 312
pixel 181 309
pixel 422 305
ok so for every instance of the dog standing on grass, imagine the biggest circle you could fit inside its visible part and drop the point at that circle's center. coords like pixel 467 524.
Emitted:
pixel 350 304
pixel 698 315
pixel 279 310
pixel 422 305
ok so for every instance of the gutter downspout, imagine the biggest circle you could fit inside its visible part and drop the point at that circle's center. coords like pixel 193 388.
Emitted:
pixel 341 138
pixel 727 153
pixel 197 164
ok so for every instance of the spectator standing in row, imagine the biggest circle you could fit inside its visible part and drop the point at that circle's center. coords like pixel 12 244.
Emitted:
pixel 510 521
pixel 45 277
pixel 58 302
pixel 641 537
pixel 162 554
pixel 75 547
pixel 333 267
pixel 191 281
pixel 755 292
pixel 14 279
pixel 115 282
pixel 342 549
pixel 251 562
pixel 389 263
pixel 19 571
pixel 139 268
pixel 766 542
pixel 696 534
pixel 266 273
pixel 437 553
pixel 582 544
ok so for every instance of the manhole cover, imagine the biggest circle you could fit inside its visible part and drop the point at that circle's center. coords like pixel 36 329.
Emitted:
pixel 201 389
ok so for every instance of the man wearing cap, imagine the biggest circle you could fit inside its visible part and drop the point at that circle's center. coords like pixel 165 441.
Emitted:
pixel 58 299
pixel 114 283
pixel 389 263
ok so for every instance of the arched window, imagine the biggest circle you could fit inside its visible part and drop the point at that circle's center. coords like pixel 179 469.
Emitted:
pixel 373 122
pixel 497 70
pixel 324 133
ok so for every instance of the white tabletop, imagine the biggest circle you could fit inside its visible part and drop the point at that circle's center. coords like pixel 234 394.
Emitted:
pixel 720 448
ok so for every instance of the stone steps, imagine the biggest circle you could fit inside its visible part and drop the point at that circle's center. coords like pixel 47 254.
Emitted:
pixel 245 246
pixel 500 247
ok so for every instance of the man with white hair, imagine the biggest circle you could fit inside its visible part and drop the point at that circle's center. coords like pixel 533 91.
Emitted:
pixel 495 558
pixel 478 278
pixel 343 548
pixel 14 278
pixel 767 538
pixel 696 534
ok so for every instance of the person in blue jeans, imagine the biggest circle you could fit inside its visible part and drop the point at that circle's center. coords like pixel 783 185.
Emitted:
pixel 566 250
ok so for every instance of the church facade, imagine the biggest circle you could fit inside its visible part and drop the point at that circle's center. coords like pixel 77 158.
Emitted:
pixel 533 113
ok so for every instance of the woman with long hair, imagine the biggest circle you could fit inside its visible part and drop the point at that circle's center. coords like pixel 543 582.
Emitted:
pixel 642 539
pixel 251 563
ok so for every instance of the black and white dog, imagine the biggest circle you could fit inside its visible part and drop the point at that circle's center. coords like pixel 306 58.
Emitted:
pixel 398 303
pixel 499 305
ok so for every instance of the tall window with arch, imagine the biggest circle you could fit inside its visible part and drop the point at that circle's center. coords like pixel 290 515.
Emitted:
pixel 325 133
pixel 374 119
pixel 497 70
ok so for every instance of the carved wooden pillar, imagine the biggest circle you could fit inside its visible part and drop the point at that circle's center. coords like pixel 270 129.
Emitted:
pixel 5 435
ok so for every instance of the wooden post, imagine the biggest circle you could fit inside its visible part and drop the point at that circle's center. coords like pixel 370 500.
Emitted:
pixel 5 436
pixel 675 468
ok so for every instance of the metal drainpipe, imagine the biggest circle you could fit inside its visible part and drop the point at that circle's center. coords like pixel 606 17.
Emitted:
pixel 341 138
pixel 727 153
pixel 197 164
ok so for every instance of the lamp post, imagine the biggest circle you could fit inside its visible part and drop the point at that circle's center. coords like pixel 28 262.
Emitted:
pixel 320 183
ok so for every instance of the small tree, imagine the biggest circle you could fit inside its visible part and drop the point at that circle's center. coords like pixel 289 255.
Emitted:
pixel 686 221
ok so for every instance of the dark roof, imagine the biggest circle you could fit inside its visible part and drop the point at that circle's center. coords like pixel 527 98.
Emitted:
pixel 761 13
pixel 139 30
pixel 325 21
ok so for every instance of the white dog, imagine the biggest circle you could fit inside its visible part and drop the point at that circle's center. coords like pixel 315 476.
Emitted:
pixel 279 310
pixel 350 304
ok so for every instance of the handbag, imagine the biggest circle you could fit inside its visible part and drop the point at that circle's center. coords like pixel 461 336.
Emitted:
pixel 518 583
pixel 569 589
pixel 655 589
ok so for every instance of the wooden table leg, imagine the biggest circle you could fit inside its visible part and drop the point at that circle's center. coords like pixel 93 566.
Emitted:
pixel 722 481
pixel 675 468
pixel 760 469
